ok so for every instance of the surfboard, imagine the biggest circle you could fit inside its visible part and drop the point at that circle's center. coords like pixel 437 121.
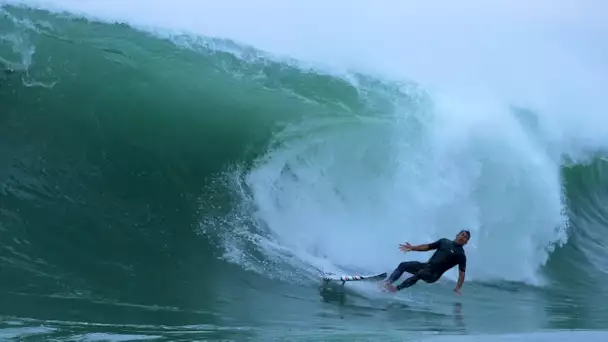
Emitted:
pixel 328 277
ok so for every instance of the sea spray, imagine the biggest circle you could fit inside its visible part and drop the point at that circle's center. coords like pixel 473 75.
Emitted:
pixel 353 194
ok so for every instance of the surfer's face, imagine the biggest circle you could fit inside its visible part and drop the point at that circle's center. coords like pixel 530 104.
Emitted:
pixel 462 238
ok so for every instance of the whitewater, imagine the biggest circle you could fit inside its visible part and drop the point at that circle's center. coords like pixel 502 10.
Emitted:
pixel 400 121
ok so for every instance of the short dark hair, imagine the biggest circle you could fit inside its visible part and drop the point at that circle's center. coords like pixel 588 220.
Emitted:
pixel 466 231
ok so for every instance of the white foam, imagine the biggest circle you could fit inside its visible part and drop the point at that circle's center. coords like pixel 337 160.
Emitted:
pixel 353 194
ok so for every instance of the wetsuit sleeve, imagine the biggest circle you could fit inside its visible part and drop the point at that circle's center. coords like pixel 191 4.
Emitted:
pixel 462 265
pixel 435 244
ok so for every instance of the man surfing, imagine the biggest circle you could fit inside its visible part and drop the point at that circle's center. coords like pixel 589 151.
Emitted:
pixel 448 254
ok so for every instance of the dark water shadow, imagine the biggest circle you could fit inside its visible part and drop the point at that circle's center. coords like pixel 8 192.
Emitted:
pixel 402 315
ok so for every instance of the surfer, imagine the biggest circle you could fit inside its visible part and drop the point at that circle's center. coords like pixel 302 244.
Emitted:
pixel 448 254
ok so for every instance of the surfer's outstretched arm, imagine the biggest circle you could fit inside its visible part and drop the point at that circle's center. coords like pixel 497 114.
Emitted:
pixel 420 248
pixel 462 268
pixel 461 275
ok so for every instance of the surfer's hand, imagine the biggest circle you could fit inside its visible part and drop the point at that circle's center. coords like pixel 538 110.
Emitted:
pixel 405 248
pixel 457 290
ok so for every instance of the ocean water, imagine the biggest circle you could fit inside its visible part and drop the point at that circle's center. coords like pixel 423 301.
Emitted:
pixel 176 171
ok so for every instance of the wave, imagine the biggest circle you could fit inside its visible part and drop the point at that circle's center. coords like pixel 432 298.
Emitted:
pixel 585 194
pixel 134 154
pixel 362 156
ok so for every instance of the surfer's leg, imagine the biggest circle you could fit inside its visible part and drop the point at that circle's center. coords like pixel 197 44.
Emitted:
pixel 427 275
pixel 412 267
pixel 408 282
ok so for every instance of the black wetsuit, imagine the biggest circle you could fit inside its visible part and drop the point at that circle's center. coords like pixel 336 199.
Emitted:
pixel 448 255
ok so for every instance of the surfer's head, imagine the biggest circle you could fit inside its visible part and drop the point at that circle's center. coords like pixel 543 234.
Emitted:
pixel 463 237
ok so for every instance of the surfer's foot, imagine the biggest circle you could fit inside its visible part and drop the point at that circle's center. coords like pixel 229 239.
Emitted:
pixel 389 287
